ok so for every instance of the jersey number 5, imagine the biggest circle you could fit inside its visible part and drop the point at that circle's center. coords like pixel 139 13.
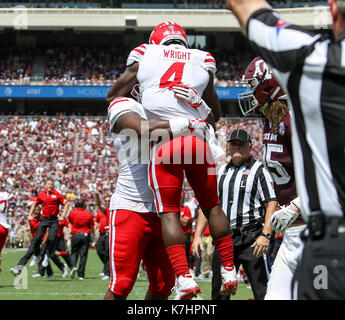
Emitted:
pixel 280 175
pixel 172 76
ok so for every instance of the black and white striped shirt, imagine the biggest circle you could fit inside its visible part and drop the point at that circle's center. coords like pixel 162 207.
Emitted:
pixel 311 69
pixel 243 192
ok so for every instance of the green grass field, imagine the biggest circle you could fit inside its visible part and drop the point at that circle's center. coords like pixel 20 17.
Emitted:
pixel 92 288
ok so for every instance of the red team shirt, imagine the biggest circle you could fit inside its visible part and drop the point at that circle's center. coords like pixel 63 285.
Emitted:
pixel 186 214
pixel 62 224
pixel 34 225
pixel 102 219
pixel 82 221
pixel 50 203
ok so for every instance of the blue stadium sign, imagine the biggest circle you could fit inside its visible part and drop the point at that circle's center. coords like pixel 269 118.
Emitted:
pixel 83 92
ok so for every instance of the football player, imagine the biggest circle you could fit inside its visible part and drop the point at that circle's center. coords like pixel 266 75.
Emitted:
pixel 4 226
pixel 135 228
pixel 172 79
pixel 266 98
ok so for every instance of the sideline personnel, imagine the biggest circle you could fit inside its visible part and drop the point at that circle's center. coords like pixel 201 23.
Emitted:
pixel 82 223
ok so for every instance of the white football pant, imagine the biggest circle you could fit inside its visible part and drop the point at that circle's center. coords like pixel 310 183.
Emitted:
pixel 285 264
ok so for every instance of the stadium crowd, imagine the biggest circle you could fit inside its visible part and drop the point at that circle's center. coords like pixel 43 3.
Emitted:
pixel 78 153
pixel 80 65
pixel 176 4
pixel 15 65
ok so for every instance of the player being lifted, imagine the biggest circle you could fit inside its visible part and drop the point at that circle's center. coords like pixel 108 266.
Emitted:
pixel 172 78
pixel 266 96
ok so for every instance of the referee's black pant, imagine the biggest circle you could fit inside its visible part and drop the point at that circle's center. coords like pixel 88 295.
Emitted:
pixel 102 248
pixel 253 266
pixel 45 223
pixel 320 274
pixel 80 247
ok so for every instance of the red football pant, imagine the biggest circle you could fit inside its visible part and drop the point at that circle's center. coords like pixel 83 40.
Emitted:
pixel 170 160
pixel 3 236
pixel 134 237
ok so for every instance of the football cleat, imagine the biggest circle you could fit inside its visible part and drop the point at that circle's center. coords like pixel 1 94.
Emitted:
pixel 15 271
pixel 64 271
pixel 33 261
pixel 186 288
pixel 45 261
pixel 73 272
pixel 229 279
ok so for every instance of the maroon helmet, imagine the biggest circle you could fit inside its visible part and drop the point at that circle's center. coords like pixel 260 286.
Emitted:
pixel 263 88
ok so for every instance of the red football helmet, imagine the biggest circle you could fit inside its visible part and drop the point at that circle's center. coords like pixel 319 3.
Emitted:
pixel 168 31
pixel 263 88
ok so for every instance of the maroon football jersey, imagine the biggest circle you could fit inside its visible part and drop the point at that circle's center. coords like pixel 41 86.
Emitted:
pixel 277 157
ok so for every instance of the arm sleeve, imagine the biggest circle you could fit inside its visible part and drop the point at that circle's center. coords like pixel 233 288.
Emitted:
pixel 92 221
pixel 136 55
pixel 266 186
pixel 280 44
pixel 38 200
pixel 118 107
pixel 209 63
pixel 62 199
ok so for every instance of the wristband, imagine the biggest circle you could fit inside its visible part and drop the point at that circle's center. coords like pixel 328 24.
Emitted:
pixel 266 235
pixel 179 124
pixel 204 110
pixel 297 203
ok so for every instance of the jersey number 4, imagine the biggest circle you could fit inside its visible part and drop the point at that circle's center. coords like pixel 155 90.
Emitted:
pixel 172 76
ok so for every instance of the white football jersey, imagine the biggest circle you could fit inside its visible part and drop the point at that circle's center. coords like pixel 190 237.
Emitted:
pixel 132 191
pixel 4 197
pixel 160 68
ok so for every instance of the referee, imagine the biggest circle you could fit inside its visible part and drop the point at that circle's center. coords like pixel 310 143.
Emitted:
pixel 311 69
pixel 247 197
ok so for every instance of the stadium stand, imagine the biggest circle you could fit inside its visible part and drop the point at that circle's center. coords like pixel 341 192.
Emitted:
pixel 148 4
pixel 85 65
pixel 15 66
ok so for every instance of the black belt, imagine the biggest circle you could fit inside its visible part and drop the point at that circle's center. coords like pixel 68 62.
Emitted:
pixel 49 218
pixel 252 226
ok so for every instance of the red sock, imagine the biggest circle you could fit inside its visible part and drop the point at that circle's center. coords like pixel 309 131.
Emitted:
pixel 225 250
pixel 178 259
